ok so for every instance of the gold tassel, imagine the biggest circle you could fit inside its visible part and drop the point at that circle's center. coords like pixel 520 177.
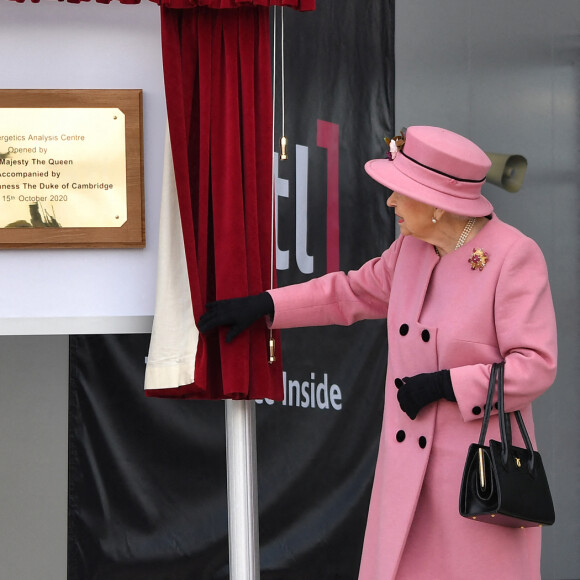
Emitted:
pixel 272 350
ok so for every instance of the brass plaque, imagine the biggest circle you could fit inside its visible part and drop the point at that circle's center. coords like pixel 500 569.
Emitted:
pixel 71 169
pixel 62 168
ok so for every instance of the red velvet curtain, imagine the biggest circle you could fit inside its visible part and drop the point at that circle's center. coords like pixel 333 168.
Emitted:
pixel 219 101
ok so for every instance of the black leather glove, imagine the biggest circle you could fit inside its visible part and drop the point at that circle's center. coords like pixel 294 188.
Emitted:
pixel 420 390
pixel 239 313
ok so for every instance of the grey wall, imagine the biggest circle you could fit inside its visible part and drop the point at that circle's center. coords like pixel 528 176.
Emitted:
pixel 504 73
pixel 33 457
pixel 507 75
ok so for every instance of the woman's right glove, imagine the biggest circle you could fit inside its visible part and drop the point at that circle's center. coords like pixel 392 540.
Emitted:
pixel 239 313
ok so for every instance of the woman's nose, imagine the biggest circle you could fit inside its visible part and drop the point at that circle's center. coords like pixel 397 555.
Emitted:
pixel 391 201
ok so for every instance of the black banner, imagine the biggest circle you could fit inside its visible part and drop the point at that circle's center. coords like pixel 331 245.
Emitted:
pixel 147 497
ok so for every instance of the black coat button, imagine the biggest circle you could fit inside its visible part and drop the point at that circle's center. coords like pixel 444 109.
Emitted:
pixel 404 329
pixel 425 336
pixel 476 410
pixel 422 442
pixel 400 436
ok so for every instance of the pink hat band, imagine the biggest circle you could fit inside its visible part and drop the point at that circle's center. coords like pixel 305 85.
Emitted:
pixel 435 179
pixel 437 167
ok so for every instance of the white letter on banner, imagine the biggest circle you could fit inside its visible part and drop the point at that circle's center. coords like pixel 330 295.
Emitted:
pixel 304 261
pixel 280 189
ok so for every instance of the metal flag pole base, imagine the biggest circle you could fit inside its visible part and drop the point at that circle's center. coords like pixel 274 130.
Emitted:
pixel 241 457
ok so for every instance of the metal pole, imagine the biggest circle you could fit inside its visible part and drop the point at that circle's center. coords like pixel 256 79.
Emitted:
pixel 241 457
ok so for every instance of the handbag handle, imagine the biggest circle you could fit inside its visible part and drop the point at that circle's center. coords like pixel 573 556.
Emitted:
pixel 505 427
pixel 488 403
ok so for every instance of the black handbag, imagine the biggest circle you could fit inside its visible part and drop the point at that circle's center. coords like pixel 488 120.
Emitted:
pixel 503 484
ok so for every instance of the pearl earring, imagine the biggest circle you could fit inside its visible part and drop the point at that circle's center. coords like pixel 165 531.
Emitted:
pixel 433 220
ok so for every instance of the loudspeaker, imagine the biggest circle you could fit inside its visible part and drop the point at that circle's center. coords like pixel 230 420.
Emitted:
pixel 507 171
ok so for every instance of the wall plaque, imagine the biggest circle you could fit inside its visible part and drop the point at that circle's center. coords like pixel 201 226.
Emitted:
pixel 71 169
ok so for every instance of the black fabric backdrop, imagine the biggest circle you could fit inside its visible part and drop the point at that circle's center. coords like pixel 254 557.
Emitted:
pixel 147 477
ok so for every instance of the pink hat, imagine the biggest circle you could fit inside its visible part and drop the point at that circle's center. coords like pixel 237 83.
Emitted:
pixel 439 168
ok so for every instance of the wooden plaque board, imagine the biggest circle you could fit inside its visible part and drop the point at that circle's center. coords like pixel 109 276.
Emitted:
pixel 42 232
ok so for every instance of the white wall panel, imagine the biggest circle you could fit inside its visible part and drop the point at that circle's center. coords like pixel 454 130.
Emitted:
pixel 57 45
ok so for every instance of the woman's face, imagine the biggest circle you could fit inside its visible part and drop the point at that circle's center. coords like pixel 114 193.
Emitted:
pixel 414 217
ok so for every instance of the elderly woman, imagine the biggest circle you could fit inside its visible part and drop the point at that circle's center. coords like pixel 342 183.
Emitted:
pixel 460 290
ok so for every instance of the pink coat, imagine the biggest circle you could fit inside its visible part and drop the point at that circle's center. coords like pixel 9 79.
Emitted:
pixel 441 314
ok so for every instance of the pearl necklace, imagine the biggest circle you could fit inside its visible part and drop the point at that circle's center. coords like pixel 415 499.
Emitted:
pixel 466 231
pixel 464 235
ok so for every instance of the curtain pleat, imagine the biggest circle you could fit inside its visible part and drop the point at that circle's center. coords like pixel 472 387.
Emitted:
pixel 218 90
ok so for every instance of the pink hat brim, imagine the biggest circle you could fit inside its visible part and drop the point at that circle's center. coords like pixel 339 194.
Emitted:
pixel 387 173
